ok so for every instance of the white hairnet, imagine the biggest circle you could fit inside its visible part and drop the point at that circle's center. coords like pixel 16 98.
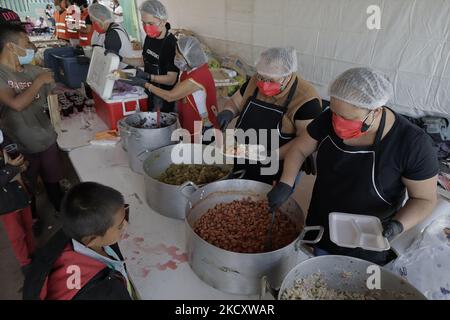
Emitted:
pixel 155 8
pixel 363 87
pixel 277 62
pixel 1 137
pixel 101 13
pixel 192 51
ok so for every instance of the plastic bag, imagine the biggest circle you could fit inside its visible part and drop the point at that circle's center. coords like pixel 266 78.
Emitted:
pixel 426 263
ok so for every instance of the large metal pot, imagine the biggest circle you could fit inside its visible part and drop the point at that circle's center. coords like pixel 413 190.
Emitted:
pixel 232 272
pixel 170 200
pixel 145 137
pixel 356 271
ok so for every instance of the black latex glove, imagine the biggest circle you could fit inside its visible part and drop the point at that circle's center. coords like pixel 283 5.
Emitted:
pixel 279 195
pixel 309 167
pixel 224 118
pixel 142 74
pixel 392 229
pixel 135 81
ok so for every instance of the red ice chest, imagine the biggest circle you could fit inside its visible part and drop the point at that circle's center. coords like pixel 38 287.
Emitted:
pixel 101 79
pixel 111 111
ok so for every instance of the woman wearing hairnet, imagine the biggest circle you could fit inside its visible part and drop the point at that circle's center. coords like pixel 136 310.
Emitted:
pixel 276 98
pixel 158 54
pixel 195 91
pixel 114 37
pixel 367 158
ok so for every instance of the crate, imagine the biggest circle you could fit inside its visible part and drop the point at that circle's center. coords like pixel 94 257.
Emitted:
pixel 72 71
pixel 52 62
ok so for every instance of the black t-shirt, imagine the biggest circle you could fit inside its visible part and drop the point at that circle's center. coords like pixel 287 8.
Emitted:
pixel 310 110
pixel 159 56
pixel 112 39
pixel 406 151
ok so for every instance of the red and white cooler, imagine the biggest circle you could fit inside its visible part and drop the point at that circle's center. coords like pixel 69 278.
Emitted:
pixel 110 106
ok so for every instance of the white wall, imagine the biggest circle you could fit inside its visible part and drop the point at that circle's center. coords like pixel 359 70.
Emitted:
pixel 412 47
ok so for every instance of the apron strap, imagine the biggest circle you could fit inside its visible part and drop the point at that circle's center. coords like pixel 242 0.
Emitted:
pixel 380 130
pixel 288 99
pixel 291 94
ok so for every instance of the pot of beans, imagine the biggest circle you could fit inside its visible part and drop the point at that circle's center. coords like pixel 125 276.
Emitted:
pixel 227 223
pixel 148 134
pixel 174 172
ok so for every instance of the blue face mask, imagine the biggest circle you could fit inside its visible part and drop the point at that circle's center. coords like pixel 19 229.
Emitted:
pixel 29 56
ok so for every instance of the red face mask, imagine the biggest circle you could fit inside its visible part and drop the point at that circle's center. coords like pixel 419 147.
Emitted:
pixel 348 129
pixel 152 30
pixel 97 28
pixel 269 89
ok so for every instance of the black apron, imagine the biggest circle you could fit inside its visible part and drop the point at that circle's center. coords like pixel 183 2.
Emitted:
pixel 347 182
pixel 257 115
pixel 155 102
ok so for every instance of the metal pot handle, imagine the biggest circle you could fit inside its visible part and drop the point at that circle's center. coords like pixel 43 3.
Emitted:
pixel 238 174
pixel 267 288
pixel 185 185
pixel 124 129
pixel 140 154
pixel 305 230
pixel 136 134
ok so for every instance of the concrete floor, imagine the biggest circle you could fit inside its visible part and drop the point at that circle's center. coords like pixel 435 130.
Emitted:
pixel 11 279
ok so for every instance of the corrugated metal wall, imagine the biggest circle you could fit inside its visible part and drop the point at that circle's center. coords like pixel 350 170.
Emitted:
pixel 19 6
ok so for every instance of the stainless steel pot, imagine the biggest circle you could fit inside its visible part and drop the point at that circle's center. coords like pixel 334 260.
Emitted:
pixel 232 272
pixel 124 132
pixel 145 137
pixel 356 271
pixel 170 200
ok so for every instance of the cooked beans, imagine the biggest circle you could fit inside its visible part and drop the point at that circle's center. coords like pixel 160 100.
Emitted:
pixel 242 226
pixel 177 174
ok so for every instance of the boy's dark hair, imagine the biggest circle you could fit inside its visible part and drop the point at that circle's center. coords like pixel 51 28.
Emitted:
pixel 9 33
pixel 88 209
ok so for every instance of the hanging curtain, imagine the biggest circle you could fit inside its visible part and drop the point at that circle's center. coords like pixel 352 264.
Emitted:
pixel 130 20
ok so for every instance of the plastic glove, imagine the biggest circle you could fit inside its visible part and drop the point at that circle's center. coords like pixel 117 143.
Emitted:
pixel 135 81
pixel 279 195
pixel 392 229
pixel 224 118
pixel 142 74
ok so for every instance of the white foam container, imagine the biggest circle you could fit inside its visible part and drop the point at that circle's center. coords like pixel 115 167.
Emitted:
pixel 100 72
pixel 357 231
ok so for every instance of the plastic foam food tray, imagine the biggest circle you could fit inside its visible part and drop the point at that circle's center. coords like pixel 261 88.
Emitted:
pixel 357 231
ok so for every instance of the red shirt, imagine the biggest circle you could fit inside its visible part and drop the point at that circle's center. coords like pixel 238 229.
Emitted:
pixel 187 107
